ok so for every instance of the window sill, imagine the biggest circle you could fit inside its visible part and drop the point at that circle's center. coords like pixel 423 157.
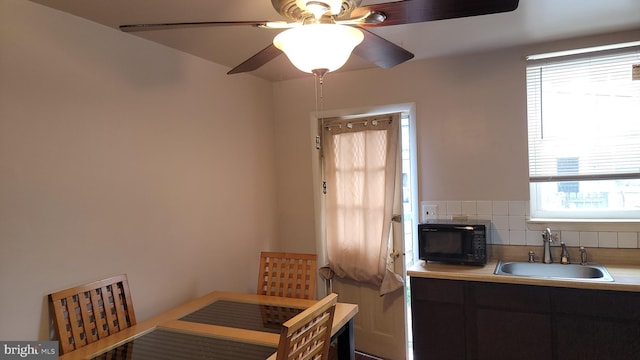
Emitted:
pixel 622 225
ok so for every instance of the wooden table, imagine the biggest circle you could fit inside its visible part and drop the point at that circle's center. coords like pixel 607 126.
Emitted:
pixel 244 325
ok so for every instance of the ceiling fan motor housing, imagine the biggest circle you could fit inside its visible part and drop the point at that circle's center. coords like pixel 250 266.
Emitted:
pixel 291 10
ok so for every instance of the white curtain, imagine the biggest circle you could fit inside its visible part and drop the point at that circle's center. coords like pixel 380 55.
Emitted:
pixel 360 173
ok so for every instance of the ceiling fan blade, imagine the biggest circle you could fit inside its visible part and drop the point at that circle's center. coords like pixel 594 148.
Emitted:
pixel 416 11
pixel 185 25
pixel 380 51
pixel 262 57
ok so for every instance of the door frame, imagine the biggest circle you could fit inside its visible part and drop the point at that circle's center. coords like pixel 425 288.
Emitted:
pixel 315 132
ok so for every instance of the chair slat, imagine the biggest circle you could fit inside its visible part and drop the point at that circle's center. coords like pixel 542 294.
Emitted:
pixel 101 324
pixel 75 322
pixel 119 306
pixel 63 329
pixel 107 299
pixel 86 313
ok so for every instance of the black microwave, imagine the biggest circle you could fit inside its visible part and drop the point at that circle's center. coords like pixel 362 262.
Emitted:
pixel 453 242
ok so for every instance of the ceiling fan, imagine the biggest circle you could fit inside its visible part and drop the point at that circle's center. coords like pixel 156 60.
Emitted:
pixel 348 14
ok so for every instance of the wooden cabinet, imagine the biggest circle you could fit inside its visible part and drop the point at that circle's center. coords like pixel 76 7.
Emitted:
pixel 475 320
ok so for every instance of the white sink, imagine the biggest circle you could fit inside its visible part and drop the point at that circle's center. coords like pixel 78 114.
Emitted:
pixel 591 272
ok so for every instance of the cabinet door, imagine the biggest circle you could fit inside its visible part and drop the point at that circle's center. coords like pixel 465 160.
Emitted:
pixel 597 324
pixel 438 331
pixel 584 338
pixel 438 319
pixel 511 321
pixel 512 335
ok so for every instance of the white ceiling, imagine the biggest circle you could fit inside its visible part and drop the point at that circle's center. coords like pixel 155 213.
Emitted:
pixel 534 21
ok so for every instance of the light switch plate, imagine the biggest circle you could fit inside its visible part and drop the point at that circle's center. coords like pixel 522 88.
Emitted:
pixel 428 212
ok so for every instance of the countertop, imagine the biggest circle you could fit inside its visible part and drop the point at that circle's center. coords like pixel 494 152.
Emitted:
pixel 626 277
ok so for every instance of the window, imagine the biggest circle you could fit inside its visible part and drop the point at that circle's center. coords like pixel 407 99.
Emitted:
pixel 584 133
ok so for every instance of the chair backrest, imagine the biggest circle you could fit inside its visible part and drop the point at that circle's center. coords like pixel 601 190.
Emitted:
pixel 287 274
pixel 308 334
pixel 87 313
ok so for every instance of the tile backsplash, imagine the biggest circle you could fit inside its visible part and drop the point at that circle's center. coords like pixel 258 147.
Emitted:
pixel 509 225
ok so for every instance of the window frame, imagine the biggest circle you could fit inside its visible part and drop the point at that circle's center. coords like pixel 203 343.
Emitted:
pixel 538 181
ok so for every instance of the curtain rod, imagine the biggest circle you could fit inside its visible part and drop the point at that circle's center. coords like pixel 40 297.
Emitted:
pixel 350 124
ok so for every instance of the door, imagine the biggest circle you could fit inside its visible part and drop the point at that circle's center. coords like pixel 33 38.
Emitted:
pixel 380 326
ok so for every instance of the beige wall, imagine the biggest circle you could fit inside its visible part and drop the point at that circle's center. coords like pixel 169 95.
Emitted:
pixel 118 155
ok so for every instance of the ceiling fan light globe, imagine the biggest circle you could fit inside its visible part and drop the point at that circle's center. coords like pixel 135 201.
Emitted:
pixel 318 46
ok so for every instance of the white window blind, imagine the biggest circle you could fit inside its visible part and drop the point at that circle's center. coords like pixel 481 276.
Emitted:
pixel 584 134
pixel 584 117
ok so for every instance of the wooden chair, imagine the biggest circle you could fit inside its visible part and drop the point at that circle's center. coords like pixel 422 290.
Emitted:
pixel 308 334
pixel 287 274
pixel 87 313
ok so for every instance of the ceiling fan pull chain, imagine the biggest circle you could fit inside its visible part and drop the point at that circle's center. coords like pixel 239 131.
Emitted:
pixel 319 78
pixel 315 86
pixel 321 97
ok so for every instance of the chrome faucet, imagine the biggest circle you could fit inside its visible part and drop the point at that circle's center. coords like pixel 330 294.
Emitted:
pixel 583 256
pixel 547 239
